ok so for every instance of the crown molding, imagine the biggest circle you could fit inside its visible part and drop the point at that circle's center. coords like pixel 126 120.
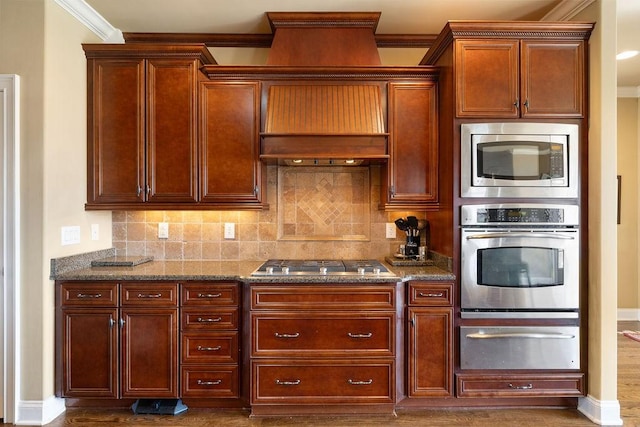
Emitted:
pixel 566 10
pixel 628 91
pixel 88 16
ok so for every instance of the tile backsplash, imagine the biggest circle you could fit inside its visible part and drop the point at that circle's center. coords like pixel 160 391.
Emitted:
pixel 321 212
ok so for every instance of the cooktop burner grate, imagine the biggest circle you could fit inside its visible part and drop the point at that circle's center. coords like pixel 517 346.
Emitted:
pixel 278 267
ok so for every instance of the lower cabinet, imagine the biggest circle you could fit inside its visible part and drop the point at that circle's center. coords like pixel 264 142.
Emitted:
pixel 133 340
pixel 430 339
pixel 209 331
pixel 322 348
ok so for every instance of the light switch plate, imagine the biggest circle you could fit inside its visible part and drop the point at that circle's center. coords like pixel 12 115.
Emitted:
pixel 95 232
pixel 70 235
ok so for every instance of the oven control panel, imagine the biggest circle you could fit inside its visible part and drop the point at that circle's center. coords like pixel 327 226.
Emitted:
pixel 505 214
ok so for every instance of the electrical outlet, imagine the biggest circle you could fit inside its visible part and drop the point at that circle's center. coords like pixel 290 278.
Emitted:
pixel 163 230
pixel 95 232
pixel 391 230
pixel 229 230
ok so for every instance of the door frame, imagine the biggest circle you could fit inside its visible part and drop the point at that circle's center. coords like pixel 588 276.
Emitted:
pixel 10 369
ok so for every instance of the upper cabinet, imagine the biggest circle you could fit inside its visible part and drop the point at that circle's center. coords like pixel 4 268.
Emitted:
pixel 231 171
pixel 410 180
pixel 513 78
pixel 511 70
pixel 142 124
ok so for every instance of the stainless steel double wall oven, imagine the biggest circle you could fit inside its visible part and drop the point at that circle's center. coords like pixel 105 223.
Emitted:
pixel 520 260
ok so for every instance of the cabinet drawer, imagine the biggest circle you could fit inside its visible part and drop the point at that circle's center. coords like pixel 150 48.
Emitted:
pixel 525 385
pixel 209 294
pixel 210 381
pixel 323 333
pixel 211 319
pixel 87 293
pixel 301 297
pixel 209 347
pixel 431 294
pixel 322 382
pixel 149 293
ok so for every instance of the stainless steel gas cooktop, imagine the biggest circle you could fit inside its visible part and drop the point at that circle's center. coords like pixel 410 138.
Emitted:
pixel 331 267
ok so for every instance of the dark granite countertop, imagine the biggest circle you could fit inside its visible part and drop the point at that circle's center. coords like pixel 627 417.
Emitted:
pixel 72 268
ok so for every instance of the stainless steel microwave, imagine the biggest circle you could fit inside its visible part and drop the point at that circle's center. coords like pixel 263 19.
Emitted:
pixel 519 160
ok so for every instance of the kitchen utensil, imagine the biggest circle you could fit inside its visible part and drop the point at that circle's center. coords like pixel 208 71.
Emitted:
pixel 401 223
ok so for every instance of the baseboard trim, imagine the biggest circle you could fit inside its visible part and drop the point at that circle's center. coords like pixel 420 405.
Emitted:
pixel 39 412
pixel 604 413
pixel 628 314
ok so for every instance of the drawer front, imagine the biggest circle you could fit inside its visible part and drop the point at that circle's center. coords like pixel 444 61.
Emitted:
pixel 325 297
pixel 431 294
pixel 209 294
pixel 556 385
pixel 149 294
pixel 514 347
pixel 88 294
pixel 322 382
pixel 326 333
pixel 210 347
pixel 210 381
pixel 209 319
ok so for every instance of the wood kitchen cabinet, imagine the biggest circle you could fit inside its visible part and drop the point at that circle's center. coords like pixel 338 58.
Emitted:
pixel 87 339
pixel 322 348
pixel 117 340
pixel 520 78
pixel 209 325
pixel 230 168
pixel 410 180
pixel 430 339
pixel 142 125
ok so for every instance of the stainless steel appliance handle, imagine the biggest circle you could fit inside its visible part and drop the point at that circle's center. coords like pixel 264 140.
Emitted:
pixel 519 235
pixel 537 335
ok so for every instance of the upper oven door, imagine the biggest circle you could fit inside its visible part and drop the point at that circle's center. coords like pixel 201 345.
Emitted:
pixel 510 269
pixel 518 160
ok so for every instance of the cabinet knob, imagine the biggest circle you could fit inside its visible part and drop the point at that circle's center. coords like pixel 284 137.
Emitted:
pixel 526 104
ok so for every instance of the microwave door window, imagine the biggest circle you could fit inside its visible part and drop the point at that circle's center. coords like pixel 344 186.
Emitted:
pixel 522 161
pixel 520 267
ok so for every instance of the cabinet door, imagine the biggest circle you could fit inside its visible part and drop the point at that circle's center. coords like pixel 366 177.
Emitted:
pixel 149 352
pixel 413 169
pixel 230 165
pixel 116 126
pixel 89 356
pixel 487 78
pixel 430 365
pixel 172 169
pixel 552 78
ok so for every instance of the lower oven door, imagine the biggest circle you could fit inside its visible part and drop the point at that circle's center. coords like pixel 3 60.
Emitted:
pixel 508 269
pixel 514 347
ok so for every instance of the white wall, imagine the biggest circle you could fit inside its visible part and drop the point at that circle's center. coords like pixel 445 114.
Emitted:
pixel 42 43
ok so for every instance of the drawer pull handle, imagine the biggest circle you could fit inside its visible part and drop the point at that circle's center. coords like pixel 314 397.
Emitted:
pixel 209 295
pixel 202 382
pixel 279 335
pixel 294 382
pixel 81 295
pixel 367 335
pixel 149 295
pixel 521 387
pixel 354 382
pixel 203 320
pixel 201 348
pixel 431 295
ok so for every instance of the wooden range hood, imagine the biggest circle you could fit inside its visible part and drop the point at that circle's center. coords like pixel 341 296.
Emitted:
pixel 319 120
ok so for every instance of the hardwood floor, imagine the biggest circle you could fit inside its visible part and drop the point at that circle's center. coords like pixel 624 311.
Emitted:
pixel 628 395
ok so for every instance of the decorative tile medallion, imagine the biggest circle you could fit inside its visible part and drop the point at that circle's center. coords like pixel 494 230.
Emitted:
pixel 323 203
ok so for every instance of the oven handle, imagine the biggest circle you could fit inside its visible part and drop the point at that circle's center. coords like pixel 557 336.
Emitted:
pixel 538 335
pixel 519 235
